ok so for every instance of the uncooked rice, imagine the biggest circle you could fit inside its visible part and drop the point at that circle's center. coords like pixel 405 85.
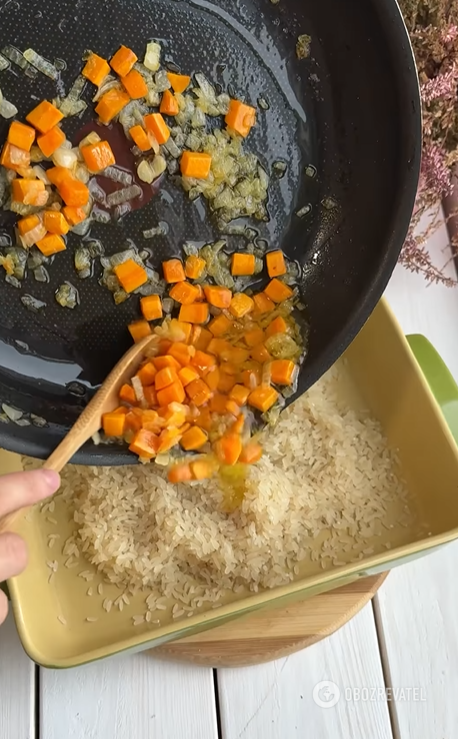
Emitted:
pixel 318 495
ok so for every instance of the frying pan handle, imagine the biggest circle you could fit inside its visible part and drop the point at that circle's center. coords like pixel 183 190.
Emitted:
pixel 439 379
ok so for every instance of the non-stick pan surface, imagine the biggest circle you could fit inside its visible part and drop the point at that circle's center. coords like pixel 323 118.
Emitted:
pixel 352 110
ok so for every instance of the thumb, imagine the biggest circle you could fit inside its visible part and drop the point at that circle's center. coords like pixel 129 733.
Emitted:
pixel 23 489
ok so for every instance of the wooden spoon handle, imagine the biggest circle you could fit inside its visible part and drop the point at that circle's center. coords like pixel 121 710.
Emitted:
pixel 89 422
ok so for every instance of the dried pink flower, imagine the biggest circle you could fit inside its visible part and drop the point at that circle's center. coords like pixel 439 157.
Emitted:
pixel 443 86
pixel 435 175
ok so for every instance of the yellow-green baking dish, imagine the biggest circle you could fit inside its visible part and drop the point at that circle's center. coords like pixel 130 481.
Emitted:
pixel 404 384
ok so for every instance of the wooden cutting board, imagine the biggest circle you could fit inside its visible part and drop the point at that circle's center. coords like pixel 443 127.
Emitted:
pixel 272 634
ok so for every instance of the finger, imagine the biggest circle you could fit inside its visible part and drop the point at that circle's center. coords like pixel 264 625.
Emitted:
pixel 21 489
pixel 13 555
pixel 3 607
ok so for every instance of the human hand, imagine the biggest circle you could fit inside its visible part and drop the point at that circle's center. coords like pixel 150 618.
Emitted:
pixel 19 490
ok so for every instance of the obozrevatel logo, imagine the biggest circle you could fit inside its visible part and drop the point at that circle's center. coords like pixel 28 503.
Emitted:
pixel 326 694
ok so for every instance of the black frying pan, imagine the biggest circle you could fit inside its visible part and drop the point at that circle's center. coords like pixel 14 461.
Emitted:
pixel 352 110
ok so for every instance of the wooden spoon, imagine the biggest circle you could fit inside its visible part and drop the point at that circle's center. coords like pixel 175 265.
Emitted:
pixel 89 422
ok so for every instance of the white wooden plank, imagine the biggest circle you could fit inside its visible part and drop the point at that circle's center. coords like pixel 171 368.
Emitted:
pixel 17 686
pixel 128 698
pixel 275 701
pixel 417 606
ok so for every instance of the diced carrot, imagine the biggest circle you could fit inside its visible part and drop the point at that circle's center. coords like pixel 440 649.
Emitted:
pixel 254 337
pixel 199 392
pixel 202 360
pixel 193 439
pixel 277 326
pixel 169 104
pixel 139 329
pixel 216 346
pixel 127 394
pixel 219 325
pixel 229 448
pixel 240 394
pixel 275 263
pixel 181 352
pixel 263 398
pixel 164 346
pixel 282 371
pixel 220 297
pixel 55 222
pixel 200 338
pixel 58 175
pixel 226 382
pixel 133 420
pixel 96 69
pixel 166 360
pixel 98 156
pixel 179 82
pixel 145 444
pixel 12 157
pixel 232 407
pixel 184 293
pixel 235 355
pixel 74 193
pixel 113 423
pixel 151 420
pixel 147 373
pixel 180 330
pixel 203 420
pixel 50 142
pixel 173 271
pixel 123 61
pixel 243 264
pixel 202 469
pixel 200 290
pixel 21 135
pixel 194 266
pixel 180 473
pixel 251 376
pixel 195 164
pixel 187 375
pixel 195 313
pixel 218 403
pixel 278 291
pixel 151 307
pixel 27 224
pixel 131 275
pixel 51 244
pixel 229 369
pixel 158 127
pixel 26 191
pixel 241 305
pixel 44 117
pixel 251 453
pixel 150 395
pixel 172 393
pixel 140 137
pixel 260 354
pixel 262 304
pixel 212 379
pixel 165 376
pixel 239 424
pixel 73 215
pixel 135 85
pixel 168 439
pixel 111 103
pixel 241 117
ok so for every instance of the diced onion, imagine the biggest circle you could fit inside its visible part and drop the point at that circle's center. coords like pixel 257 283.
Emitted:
pixel 43 65
pixel 92 138
pixel 40 174
pixel 64 157
pixel 145 172
pixel 12 413
pixel 35 234
pixel 4 63
pixel 7 109
pixel 121 196
pixel 152 59
pixel 32 304
pixel 138 390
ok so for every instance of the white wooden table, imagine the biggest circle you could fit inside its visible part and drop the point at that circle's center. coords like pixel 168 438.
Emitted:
pixel 406 640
